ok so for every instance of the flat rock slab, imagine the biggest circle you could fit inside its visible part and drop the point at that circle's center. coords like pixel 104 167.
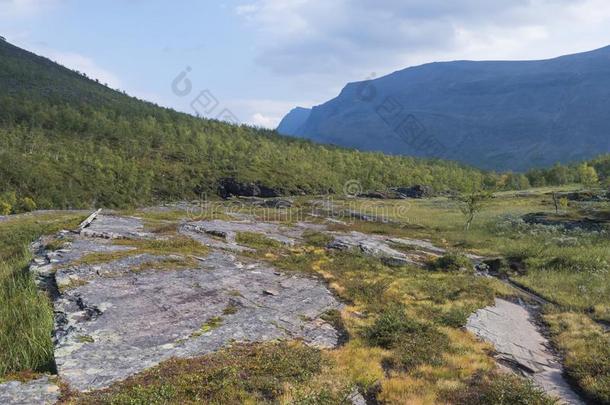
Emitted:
pixel 222 234
pixel 40 391
pixel 114 327
pixel 519 344
pixel 116 227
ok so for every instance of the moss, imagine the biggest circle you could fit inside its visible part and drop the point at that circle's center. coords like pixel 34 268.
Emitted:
pixel 85 339
pixel 208 326
pixel 256 240
pixel 230 309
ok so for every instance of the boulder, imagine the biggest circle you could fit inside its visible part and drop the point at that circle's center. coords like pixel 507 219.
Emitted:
pixel 230 187
pixel 416 191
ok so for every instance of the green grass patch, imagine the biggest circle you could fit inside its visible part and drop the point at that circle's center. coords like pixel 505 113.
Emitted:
pixel 26 315
pixel 257 240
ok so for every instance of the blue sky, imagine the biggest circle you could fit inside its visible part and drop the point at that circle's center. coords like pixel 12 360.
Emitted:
pixel 260 58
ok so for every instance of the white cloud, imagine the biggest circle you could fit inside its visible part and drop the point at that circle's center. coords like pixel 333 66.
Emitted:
pixel 350 38
pixel 264 121
pixel 263 112
pixel 318 45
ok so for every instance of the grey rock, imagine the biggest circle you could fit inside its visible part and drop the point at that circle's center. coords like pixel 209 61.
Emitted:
pixel 75 275
pixel 40 391
pixel 520 344
pixel 222 234
pixel 115 227
pixel 372 245
pixel 114 327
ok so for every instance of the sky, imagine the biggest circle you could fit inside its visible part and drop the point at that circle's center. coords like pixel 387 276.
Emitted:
pixel 252 61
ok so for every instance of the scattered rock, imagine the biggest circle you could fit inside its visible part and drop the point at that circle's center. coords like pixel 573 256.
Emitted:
pixel 229 187
pixel 271 291
pixel 569 223
pixel 371 245
pixel 416 191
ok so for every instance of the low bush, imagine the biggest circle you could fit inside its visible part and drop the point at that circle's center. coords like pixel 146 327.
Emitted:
pixel 500 389
pixel 413 342
pixel 452 262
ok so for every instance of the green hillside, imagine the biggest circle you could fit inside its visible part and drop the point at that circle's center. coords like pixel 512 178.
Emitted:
pixel 68 141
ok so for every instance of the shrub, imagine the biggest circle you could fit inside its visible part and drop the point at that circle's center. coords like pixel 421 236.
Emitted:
pixel 5 208
pixel 453 262
pixel 27 204
pixel 317 239
pixel 413 342
pixel 500 389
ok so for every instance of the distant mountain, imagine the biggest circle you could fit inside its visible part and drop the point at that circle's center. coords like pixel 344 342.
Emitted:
pixel 294 120
pixel 493 115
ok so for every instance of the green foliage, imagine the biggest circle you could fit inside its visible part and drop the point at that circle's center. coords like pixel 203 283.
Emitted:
pixel 500 389
pixel 471 204
pixel 27 204
pixel 26 315
pixel 414 342
pixel 452 262
pixel 317 239
pixel 587 175
pixel 256 240
pixel 67 141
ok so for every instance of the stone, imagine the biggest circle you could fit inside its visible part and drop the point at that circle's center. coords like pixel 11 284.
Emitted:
pixel 520 345
pixel 230 187
pixel 112 322
pixel 39 391
pixel 371 245
pixel 205 231
pixel 271 291
pixel 115 227
pixel 416 191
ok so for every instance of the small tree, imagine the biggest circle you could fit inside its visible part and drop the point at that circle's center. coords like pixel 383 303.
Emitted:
pixel 471 204
pixel 587 175
pixel 556 202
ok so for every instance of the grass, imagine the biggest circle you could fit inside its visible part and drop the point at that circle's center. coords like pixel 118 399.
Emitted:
pixel 570 268
pixel 242 374
pixel 26 315
pixel 256 240
pixel 586 349
pixel 172 245
pixel 500 389
pixel 406 342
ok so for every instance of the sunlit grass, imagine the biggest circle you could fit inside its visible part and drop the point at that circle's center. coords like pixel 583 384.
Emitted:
pixel 26 315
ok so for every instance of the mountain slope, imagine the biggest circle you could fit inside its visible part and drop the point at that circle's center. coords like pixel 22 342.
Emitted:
pixel 494 115
pixel 68 141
